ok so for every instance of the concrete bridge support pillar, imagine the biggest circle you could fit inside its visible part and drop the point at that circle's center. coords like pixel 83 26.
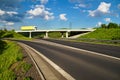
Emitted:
pixel 30 34
pixel 67 34
pixel 62 35
pixel 46 34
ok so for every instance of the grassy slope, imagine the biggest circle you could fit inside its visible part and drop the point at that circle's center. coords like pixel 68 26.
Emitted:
pixel 12 34
pixel 21 37
pixel 12 63
pixel 104 34
pixel 11 55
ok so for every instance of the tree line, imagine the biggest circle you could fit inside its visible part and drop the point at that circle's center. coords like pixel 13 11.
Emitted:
pixel 110 25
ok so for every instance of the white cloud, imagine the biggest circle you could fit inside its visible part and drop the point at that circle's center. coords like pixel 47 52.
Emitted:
pixel 117 15
pixel 99 24
pixel 2 12
pixel 63 17
pixel 37 11
pixel 107 19
pixel 103 8
pixel 7 12
pixel 76 1
pixel 40 11
pixel 30 17
pixel 11 12
pixel 118 6
pixel 9 17
pixel 84 10
pixel 77 6
pixel 44 1
pixel 9 23
pixel 82 5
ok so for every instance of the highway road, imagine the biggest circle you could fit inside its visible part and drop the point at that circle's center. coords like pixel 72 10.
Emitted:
pixel 103 49
pixel 80 64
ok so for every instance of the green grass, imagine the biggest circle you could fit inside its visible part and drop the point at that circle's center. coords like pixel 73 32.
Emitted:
pixel 20 37
pixel 12 34
pixel 25 66
pixel 11 61
pixel 56 35
pixel 9 56
pixel 104 34
pixel 28 78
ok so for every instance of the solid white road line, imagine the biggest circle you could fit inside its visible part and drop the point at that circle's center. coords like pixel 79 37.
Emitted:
pixel 61 45
pixel 56 67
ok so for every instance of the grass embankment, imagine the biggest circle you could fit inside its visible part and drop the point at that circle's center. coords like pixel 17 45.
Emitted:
pixel 102 35
pixel 11 61
pixel 12 34
pixel 20 37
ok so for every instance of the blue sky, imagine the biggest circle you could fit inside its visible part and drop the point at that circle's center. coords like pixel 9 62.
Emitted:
pixel 55 14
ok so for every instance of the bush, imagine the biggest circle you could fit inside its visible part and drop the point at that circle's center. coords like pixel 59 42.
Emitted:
pixel 55 35
pixel 8 35
pixel 2 46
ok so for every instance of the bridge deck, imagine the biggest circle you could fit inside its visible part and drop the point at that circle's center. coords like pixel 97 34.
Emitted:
pixel 60 30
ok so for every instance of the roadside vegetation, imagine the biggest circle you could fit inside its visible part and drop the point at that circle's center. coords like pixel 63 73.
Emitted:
pixel 12 65
pixel 11 62
pixel 106 34
pixel 55 35
pixel 12 34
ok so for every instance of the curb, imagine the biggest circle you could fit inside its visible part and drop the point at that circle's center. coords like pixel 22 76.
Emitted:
pixel 59 72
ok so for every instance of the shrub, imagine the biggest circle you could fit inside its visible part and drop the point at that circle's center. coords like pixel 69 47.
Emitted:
pixel 2 46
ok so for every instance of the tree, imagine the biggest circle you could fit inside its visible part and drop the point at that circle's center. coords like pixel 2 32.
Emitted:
pixel 103 25
pixel 2 33
pixel 2 46
pixel 119 25
pixel 113 25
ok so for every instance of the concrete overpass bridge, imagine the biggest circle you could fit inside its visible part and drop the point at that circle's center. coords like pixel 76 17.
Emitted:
pixel 66 31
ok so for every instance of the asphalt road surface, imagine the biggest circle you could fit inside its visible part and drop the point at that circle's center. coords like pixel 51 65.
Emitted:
pixel 103 49
pixel 79 64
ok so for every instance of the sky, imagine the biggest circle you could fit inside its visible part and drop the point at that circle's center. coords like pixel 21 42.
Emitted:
pixel 56 14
